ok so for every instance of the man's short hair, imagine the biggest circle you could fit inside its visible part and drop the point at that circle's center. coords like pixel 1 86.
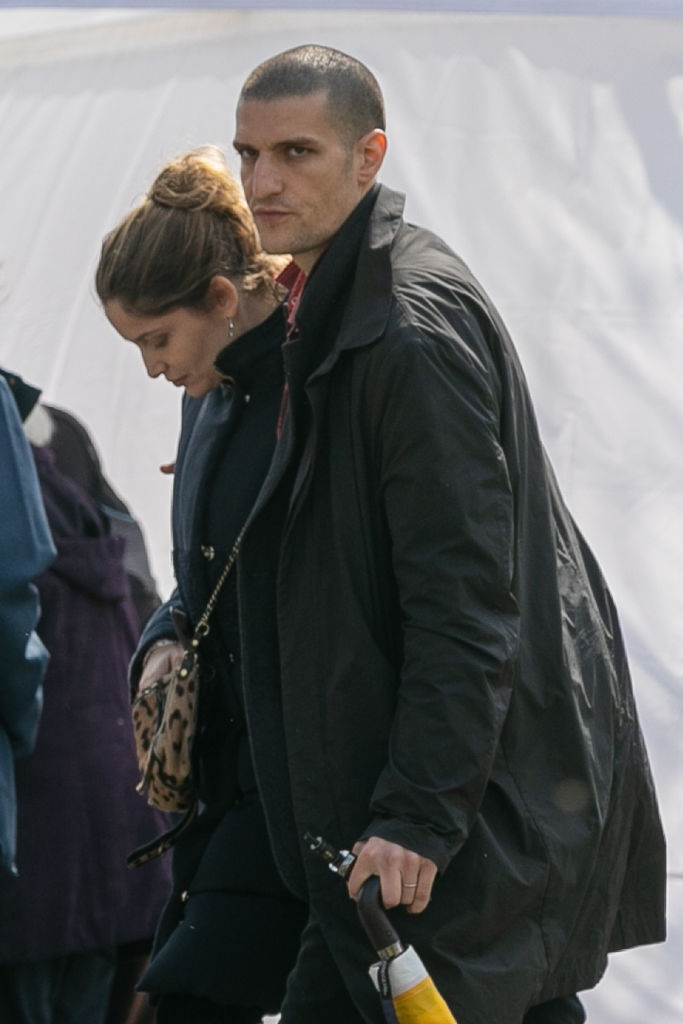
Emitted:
pixel 353 93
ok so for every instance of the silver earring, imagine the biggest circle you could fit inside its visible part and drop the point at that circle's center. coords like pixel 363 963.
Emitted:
pixel 231 329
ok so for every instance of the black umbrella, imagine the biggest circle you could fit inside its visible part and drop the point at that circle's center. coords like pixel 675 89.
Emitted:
pixel 408 994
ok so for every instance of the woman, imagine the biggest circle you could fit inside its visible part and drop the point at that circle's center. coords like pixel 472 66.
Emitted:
pixel 184 278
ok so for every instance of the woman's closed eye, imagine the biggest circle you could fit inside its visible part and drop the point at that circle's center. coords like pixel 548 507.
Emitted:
pixel 153 343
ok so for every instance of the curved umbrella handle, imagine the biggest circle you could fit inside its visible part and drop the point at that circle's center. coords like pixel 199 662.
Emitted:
pixel 380 931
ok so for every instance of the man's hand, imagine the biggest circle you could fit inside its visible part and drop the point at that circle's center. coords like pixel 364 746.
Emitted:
pixel 405 877
pixel 160 663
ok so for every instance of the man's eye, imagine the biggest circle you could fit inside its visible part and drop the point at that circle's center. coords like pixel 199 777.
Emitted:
pixel 298 151
pixel 159 342
pixel 246 154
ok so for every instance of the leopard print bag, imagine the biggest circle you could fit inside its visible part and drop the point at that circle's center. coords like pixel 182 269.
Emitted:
pixel 165 716
pixel 164 724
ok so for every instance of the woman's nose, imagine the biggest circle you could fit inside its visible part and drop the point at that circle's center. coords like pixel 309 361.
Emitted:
pixel 154 366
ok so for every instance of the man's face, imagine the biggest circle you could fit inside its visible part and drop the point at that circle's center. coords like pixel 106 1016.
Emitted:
pixel 300 179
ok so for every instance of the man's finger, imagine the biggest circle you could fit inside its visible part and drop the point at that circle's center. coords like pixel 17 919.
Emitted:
pixel 423 889
pixel 405 877
pixel 408 891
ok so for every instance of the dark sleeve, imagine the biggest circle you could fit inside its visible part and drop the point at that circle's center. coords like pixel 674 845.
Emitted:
pixel 159 627
pixel 26 550
pixel 447 499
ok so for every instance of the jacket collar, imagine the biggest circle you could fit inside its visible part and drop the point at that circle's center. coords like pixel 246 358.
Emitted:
pixel 348 296
pixel 252 358
pixel 371 294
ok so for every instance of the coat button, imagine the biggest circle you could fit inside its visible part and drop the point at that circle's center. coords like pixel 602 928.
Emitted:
pixel 208 551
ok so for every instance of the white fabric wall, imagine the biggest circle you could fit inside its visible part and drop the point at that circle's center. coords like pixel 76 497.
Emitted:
pixel 546 150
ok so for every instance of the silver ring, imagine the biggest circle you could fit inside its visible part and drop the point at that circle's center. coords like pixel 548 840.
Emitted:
pixel 410 885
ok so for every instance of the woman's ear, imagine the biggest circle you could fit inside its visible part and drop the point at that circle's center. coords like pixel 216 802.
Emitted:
pixel 222 295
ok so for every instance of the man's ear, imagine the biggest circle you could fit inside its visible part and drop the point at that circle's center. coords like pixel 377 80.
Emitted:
pixel 222 294
pixel 370 149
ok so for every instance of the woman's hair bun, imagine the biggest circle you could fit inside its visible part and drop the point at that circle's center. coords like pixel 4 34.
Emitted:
pixel 198 180
pixel 193 224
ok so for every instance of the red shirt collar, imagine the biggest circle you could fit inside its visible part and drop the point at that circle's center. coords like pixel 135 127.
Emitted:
pixel 293 279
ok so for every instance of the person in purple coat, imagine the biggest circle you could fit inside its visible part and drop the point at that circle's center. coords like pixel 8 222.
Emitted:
pixel 75 901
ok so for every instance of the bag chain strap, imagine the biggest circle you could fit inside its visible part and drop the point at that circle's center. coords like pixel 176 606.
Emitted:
pixel 202 628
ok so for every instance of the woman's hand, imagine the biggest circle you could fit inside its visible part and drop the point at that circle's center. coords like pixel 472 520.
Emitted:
pixel 161 662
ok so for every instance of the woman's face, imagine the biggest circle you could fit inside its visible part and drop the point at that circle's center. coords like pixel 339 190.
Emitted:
pixel 181 344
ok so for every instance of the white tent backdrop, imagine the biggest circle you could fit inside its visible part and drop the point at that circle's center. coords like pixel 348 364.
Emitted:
pixel 547 150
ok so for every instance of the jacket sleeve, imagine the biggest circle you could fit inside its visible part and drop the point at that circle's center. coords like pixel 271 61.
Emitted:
pixel 159 627
pixel 447 501
pixel 26 550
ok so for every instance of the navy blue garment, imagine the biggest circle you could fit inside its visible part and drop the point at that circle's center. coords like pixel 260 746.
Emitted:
pixel 26 549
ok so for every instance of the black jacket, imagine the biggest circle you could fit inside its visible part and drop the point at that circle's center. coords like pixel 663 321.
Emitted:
pixel 452 674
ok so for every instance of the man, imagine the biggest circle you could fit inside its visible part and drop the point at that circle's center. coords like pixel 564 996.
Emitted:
pixel 433 666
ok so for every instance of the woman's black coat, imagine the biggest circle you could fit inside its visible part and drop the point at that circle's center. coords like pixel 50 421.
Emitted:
pixel 230 930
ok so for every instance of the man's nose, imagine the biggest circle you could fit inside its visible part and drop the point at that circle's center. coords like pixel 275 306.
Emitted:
pixel 265 179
